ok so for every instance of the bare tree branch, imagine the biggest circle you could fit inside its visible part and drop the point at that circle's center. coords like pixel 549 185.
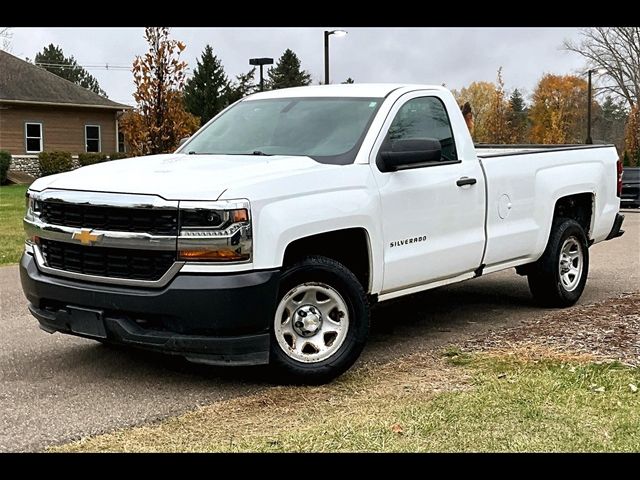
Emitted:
pixel 5 38
pixel 617 51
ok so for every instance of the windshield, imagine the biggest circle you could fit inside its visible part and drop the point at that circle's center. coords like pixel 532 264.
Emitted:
pixel 329 130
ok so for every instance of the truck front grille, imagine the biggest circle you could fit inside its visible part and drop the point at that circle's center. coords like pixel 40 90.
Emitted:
pixel 107 262
pixel 153 221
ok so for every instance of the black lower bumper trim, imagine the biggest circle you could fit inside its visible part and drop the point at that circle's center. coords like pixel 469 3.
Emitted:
pixel 238 350
pixel 616 230
pixel 207 318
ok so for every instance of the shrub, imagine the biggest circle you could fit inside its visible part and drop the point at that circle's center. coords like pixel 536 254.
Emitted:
pixel 118 155
pixel 5 161
pixel 54 162
pixel 85 159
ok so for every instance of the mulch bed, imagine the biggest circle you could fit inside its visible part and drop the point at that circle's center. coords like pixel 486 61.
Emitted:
pixel 609 330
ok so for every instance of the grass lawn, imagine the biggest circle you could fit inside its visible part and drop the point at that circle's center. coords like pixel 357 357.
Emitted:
pixel 459 402
pixel 11 214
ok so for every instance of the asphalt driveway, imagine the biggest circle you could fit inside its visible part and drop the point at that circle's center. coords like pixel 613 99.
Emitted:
pixel 56 388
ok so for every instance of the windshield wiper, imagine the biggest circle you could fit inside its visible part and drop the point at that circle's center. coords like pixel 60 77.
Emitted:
pixel 262 154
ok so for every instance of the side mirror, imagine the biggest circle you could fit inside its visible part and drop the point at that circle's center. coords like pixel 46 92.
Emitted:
pixel 183 141
pixel 408 153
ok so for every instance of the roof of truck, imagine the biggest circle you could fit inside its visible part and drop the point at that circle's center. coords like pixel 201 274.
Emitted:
pixel 368 90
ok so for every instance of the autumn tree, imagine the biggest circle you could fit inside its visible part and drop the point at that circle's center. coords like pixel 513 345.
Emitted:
pixel 287 73
pixel 480 96
pixel 497 121
pixel 632 137
pixel 615 51
pixel 517 118
pixel 52 59
pixel 205 93
pixel 160 119
pixel 243 85
pixel 558 111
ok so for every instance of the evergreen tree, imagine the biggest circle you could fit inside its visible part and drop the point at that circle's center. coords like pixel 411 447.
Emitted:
pixel 287 73
pixel 242 86
pixel 609 119
pixel 53 60
pixel 517 117
pixel 205 94
pixel 516 102
pixel 614 110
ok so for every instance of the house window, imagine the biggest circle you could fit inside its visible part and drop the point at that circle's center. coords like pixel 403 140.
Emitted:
pixel 33 137
pixel 92 138
pixel 121 147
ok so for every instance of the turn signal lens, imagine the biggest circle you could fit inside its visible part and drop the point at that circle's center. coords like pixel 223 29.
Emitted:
pixel 240 215
pixel 222 254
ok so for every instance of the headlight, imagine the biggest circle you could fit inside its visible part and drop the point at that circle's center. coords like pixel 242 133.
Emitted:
pixel 32 213
pixel 215 231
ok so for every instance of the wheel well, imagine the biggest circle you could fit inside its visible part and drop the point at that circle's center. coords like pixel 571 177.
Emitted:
pixel 350 247
pixel 578 207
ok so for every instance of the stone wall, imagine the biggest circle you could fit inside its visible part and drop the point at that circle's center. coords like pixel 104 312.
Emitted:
pixel 29 164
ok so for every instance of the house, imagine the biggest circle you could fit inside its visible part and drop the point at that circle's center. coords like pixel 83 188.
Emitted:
pixel 40 111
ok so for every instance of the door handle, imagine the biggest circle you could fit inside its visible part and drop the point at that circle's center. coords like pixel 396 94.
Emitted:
pixel 466 181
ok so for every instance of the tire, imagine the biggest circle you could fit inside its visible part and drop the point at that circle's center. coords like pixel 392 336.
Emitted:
pixel 549 287
pixel 321 322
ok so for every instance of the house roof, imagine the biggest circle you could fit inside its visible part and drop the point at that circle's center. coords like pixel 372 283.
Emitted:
pixel 23 82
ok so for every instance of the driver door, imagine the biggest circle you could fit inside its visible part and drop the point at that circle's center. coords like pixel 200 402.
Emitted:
pixel 433 228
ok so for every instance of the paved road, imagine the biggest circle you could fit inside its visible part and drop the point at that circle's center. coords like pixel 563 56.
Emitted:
pixel 55 388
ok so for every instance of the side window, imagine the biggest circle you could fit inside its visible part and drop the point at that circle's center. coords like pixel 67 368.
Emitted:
pixel 423 117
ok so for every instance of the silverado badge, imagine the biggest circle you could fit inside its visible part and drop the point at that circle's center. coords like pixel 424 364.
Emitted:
pixel 85 237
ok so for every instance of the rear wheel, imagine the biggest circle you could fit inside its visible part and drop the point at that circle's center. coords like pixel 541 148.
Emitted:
pixel 321 321
pixel 558 278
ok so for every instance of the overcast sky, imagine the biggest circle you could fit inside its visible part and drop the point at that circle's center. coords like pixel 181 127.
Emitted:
pixel 454 56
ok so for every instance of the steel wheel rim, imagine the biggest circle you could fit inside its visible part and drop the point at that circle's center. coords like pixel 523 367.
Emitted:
pixel 311 322
pixel 570 264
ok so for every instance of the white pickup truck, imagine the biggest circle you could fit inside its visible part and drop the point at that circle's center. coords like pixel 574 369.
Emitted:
pixel 267 236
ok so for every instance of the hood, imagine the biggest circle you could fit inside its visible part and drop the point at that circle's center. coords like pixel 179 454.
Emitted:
pixel 179 176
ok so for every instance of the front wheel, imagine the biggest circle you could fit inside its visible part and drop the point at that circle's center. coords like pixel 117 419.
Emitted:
pixel 321 321
pixel 558 278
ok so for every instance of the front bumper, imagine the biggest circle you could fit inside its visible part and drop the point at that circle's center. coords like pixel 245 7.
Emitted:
pixel 214 319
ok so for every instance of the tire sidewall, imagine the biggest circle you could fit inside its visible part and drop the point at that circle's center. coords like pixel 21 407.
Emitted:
pixel 346 284
pixel 565 230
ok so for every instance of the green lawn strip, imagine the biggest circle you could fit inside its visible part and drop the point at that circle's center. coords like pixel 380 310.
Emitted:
pixel 11 232
pixel 506 405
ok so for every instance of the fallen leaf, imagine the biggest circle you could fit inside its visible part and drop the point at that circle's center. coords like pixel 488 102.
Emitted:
pixel 397 428
pixel 633 387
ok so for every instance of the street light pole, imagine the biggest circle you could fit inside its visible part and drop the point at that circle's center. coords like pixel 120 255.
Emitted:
pixel 590 72
pixel 261 79
pixel 326 57
pixel 327 34
pixel 589 140
pixel 261 61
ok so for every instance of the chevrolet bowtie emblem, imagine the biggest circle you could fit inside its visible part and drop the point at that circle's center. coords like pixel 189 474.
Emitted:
pixel 85 236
